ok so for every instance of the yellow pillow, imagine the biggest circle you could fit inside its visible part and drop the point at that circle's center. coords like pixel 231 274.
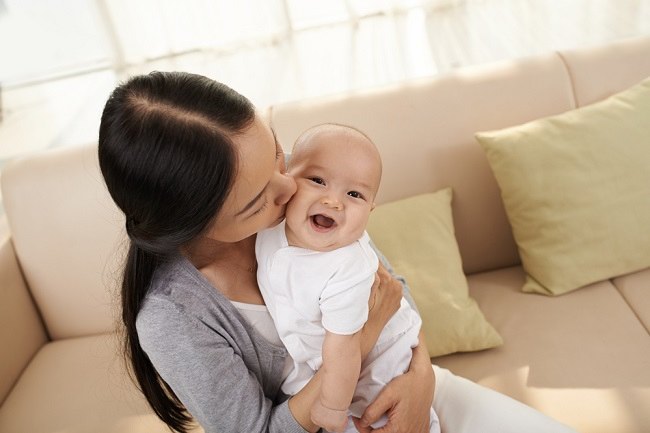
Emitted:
pixel 417 236
pixel 576 188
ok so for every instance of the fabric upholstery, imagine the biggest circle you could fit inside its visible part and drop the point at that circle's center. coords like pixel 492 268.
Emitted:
pixel 599 72
pixel 635 288
pixel 68 238
pixel 416 234
pixel 78 385
pixel 581 358
pixel 576 188
pixel 21 329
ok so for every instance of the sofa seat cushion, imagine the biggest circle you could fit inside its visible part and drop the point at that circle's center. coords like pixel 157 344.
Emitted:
pixel 77 385
pixel 561 355
pixel 635 288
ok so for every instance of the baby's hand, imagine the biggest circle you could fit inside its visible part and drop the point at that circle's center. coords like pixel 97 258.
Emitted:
pixel 332 420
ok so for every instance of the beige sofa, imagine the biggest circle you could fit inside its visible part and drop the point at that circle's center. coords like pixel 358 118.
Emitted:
pixel 583 358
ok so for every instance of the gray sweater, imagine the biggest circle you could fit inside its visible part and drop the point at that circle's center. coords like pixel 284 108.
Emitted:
pixel 226 374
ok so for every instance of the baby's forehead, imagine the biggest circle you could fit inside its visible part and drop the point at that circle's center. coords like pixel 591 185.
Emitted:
pixel 334 132
pixel 335 138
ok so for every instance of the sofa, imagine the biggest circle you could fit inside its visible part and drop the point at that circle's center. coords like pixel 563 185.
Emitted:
pixel 582 357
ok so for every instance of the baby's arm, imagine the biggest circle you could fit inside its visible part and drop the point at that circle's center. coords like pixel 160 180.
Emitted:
pixel 340 369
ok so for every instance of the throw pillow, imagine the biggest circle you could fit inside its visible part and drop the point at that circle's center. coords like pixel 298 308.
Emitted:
pixel 576 188
pixel 416 234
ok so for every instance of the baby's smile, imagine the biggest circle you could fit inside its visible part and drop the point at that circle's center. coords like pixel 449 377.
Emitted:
pixel 322 223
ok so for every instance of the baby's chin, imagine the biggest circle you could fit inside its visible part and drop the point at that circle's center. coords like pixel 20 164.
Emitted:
pixel 326 248
pixel 330 245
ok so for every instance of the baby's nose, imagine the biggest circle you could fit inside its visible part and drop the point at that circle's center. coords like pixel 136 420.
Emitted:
pixel 332 203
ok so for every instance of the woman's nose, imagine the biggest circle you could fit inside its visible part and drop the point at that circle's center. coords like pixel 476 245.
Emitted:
pixel 286 189
pixel 332 203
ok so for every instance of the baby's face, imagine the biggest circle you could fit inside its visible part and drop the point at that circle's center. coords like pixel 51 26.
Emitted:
pixel 337 177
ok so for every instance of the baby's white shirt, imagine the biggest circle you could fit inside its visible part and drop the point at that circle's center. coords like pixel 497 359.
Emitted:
pixel 308 292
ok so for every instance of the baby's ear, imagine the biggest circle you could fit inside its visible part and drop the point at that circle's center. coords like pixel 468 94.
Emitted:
pixel 373 206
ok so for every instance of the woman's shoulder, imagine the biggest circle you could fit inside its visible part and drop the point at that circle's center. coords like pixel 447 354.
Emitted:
pixel 180 297
pixel 178 281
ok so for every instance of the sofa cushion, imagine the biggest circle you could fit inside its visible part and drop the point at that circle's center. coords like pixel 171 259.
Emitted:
pixel 576 188
pixel 417 236
pixel 68 237
pixel 77 385
pixel 635 288
pixel 581 358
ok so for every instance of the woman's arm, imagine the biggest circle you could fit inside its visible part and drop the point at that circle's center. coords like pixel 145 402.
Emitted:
pixel 207 372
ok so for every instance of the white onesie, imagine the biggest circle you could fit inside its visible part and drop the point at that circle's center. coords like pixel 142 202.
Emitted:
pixel 308 292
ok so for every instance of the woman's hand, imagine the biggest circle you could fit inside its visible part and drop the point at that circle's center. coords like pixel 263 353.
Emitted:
pixel 384 301
pixel 406 400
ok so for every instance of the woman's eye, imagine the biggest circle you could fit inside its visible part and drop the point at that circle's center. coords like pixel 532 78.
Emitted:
pixel 261 209
pixel 317 180
pixel 355 194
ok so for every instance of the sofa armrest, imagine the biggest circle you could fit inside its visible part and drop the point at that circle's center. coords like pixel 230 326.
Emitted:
pixel 21 329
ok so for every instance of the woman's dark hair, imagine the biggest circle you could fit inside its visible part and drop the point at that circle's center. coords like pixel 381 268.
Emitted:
pixel 168 161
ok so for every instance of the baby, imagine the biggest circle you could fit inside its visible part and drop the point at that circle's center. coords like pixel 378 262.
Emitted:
pixel 315 272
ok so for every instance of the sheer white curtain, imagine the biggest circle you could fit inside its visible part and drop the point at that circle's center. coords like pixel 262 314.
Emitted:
pixel 43 38
pixel 275 50
pixel 149 29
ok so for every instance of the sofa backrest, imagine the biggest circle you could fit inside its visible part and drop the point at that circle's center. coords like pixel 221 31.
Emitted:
pixel 425 129
pixel 69 236
pixel 599 72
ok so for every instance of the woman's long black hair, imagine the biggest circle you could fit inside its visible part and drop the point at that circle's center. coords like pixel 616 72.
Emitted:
pixel 167 158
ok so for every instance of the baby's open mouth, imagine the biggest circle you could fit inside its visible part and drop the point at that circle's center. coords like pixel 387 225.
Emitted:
pixel 322 221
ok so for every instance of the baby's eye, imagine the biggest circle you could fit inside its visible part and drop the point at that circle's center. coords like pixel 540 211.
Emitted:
pixel 355 194
pixel 317 180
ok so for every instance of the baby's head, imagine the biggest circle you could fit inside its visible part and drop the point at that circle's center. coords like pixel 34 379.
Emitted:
pixel 337 169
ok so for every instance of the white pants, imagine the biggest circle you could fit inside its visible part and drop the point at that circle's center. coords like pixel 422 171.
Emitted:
pixel 466 407
pixel 391 356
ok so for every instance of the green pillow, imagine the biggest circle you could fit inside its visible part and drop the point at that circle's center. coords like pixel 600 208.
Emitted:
pixel 417 236
pixel 576 189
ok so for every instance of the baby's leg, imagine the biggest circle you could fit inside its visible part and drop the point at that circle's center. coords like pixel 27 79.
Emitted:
pixel 386 361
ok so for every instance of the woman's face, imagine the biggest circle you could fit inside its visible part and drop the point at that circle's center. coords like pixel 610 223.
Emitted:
pixel 261 188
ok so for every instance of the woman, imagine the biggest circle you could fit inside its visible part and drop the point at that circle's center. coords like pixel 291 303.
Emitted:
pixel 197 174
